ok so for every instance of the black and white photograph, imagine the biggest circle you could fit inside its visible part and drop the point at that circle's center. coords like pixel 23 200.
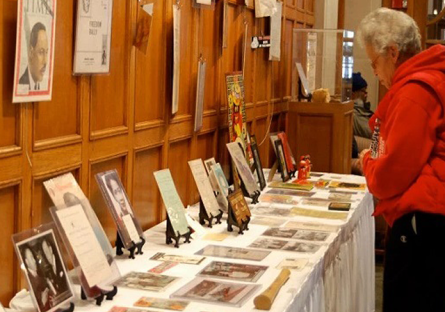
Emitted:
pixel 277 244
pixel 117 201
pixel 45 271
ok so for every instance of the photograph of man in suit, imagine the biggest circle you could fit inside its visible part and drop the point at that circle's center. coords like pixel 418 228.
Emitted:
pixel 37 58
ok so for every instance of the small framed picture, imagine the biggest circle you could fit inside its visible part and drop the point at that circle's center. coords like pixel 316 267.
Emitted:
pixel 239 206
pixel 44 269
pixel 282 160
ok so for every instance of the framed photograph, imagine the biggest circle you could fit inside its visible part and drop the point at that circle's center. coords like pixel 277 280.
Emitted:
pixel 239 206
pixel 282 161
pixel 160 256
pixel 44 269
pixel 284 245
pixel 93 37
pixel 34 58
pixel 208 163
pixel 160 303
pixel 257 162
pixel 65 192
pixel 204 187
pixel 233 271
pixel 119 206
pixel 216 292
pixel 172 201
pixel 146 281
pixel 242 167
pixel 233 252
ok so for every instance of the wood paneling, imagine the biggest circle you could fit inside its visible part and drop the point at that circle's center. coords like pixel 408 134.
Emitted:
pixel 109 93
pixel 9 113
pixel 9 199
pixel 48 122
pixel 178 155
pixel 146 198
pixel 123 121
pixel 149 75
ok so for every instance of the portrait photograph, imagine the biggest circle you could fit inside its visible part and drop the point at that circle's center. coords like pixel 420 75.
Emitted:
pixel 118 204
pixel 44 270
pixel 34 60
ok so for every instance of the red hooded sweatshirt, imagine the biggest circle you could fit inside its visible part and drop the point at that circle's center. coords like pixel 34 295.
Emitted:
pixel 405 168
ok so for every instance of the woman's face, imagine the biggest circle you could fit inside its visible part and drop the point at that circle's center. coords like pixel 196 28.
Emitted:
pixel 383 65
pixel 117 192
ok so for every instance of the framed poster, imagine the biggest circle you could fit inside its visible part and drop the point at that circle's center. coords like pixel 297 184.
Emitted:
pixel 93 37
pixel 42 264
pixel 34 58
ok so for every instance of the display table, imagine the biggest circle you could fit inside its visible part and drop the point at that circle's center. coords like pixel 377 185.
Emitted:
pixel 339 276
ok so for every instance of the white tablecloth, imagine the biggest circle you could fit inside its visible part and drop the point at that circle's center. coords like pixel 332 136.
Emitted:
pixel 338 278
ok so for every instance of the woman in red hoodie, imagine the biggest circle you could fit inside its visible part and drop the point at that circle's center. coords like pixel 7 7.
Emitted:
pixel 405 167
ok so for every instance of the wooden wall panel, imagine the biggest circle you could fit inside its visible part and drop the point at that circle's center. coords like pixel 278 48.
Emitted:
pixel 9 113
pixel 109 93
pixel 189 60
pixel 9 199
pixel 149 75
pixel 178 155
pixel 122 120
pixel 146 198
pixel 60 118
pixel 96 199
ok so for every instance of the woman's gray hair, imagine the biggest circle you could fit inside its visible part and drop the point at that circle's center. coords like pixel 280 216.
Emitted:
pixel 384 27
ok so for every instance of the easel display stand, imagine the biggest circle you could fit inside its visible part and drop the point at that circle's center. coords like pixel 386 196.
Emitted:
pixel 172 236
pixel 204 216
pixel 109 295
pixel 231 221
pixel 255 196
pixel 274 169
pixel 135 247
pixel 70 309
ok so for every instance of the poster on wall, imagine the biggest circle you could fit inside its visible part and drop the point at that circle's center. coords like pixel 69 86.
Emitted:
pixel 237 113
pixel 34 58
pixel 176 56
pixel 275 33
pixel 93 37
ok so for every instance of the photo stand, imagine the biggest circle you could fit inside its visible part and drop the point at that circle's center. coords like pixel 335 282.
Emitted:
pixel 109 295
pixel 70 309
pixel 172 236
pixel 255 196
pixel 204 216
pixel 274 170
pixel 136 247
pixel 231 221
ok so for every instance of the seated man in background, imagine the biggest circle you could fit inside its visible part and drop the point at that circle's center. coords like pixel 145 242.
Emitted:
pixel 362 111
pixel 361 132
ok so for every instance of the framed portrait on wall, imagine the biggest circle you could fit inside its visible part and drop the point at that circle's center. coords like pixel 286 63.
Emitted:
pixel 34 58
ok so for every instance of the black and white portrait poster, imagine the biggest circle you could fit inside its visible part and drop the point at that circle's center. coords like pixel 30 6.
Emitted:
pixel 44 270
pixel 34 59
pixel 117 201
pixel 93 36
